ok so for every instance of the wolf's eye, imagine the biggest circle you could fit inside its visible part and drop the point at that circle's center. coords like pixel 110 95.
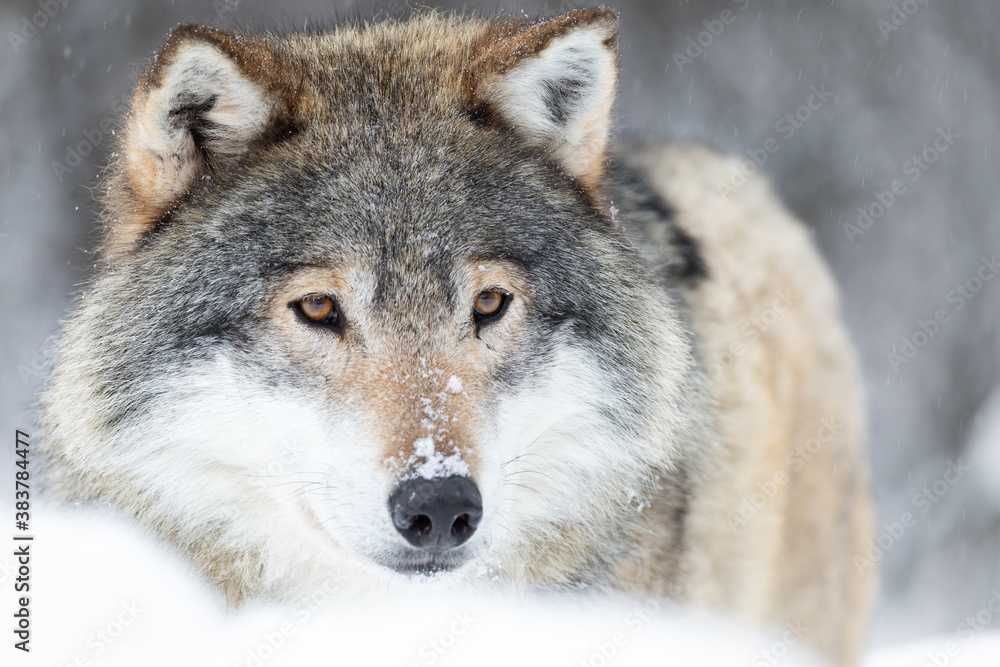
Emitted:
pixel 489 305
pixel 319 309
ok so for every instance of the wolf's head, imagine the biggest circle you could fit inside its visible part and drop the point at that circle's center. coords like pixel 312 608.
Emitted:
pixel 361 305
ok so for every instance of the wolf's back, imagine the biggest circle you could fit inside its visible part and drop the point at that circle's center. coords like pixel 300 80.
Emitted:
pixel 780 514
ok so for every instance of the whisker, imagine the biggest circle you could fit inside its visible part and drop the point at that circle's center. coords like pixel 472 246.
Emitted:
pixel 529 470
pixel 519 457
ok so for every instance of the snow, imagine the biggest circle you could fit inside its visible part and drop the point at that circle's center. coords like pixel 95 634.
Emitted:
pixel 136 602
pixel 435 463
pixel 941 651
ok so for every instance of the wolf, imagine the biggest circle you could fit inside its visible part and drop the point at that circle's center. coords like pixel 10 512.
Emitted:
pixel 385 305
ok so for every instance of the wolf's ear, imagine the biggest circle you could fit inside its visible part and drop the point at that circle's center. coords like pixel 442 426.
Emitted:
pixel 554 83
pixel 198 108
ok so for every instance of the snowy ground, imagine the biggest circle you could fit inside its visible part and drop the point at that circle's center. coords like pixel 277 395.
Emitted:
pixel 133 603
pixel 107 595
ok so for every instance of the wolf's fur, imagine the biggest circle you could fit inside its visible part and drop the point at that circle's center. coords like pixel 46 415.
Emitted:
pixel 664 359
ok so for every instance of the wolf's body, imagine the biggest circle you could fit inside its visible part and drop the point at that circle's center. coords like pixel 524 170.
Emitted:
pixel 666 403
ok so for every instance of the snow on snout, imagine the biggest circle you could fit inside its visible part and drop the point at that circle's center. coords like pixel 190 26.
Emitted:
pixel 430 462
pixel 437 464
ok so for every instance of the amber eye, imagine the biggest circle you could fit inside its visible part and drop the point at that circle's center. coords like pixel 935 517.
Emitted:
pixel 489 304
pixel 316 308
pixel 319 309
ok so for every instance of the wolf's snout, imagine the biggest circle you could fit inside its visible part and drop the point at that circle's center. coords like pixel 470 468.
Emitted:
pixel 436 514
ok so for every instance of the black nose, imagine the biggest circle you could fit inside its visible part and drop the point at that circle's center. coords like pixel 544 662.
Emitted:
pixel 436 514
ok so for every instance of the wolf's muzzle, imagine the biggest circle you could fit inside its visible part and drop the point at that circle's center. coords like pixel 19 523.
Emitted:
pixel 436 514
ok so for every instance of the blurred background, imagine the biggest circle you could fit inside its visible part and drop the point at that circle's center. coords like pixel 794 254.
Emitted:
pixel 895 167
